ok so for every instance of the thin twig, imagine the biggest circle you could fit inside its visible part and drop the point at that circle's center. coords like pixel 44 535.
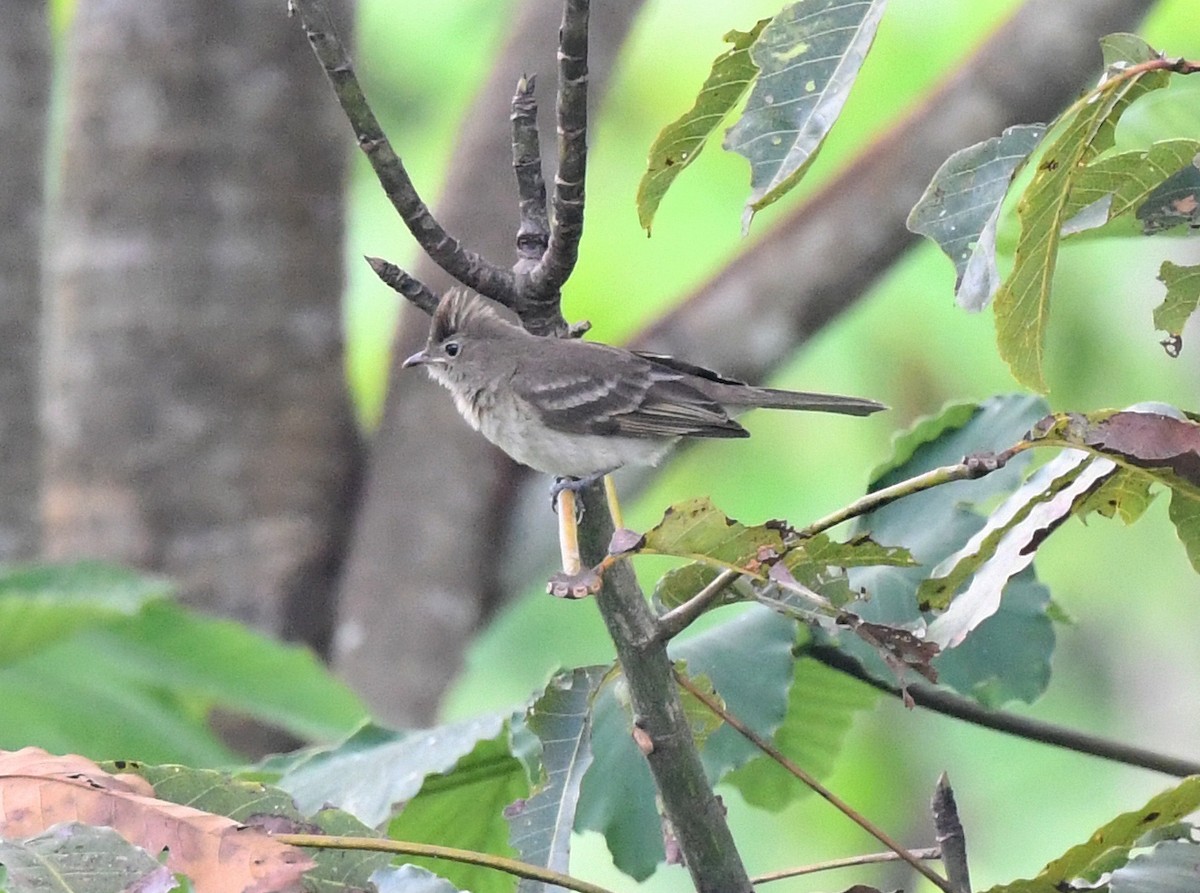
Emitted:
pixel 446 251
pixel 566 226
pixel 452 854
pixel 971 468
pixel 533 234
pixel 950 704
pixel 842 806
pixel 679 618
pixel 409 286
pixel 847 862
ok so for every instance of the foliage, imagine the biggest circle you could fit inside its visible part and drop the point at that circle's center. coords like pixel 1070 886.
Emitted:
pixel 934 582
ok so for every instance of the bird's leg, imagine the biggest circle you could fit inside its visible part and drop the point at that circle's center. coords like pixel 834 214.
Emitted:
pixel 574 485
pixel 573 581
pixel 614 506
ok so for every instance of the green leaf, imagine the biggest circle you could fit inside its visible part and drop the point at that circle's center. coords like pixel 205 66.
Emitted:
pixel 808 58
pixel 1170 867
pixel 617 794
pixel 376 768
pixel 465 808
pixel 1155 446
pixel 967 585
pixel 1183 294
pixel 697 529
pixel 821 708
pixel 678 144
pixel 1123 493
pixel 1174 201
pixel 749 661
pixel 40 604
pixel 961 205
pixel 1118 184
pixel 1084 131
pixel 1008 655
pixel 77 858
pixel 540 827
pixel 1113 840
pixel 679 584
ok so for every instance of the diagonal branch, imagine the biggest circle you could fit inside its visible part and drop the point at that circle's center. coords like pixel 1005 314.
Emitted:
pixel 446 251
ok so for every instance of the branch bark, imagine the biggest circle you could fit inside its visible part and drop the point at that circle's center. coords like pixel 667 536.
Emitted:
pixel 24 93
pixel 197 418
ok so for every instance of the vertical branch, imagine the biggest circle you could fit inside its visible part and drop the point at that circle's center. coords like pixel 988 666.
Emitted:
pixel 446 251
pixel 566 227
pixel 533 235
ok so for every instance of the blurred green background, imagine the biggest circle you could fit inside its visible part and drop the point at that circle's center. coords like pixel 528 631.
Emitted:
pixel 1127 666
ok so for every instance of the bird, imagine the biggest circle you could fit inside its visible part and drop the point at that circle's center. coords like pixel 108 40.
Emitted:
pixel 577 409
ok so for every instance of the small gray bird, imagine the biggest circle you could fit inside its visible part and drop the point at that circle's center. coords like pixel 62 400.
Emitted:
pixel 578 409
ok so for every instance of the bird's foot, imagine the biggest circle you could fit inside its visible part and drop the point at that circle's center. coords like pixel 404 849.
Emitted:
pixel 573 485
pixel 576 585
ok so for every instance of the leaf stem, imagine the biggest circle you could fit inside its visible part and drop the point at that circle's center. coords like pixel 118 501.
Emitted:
pixel 841 805
pixel 453 854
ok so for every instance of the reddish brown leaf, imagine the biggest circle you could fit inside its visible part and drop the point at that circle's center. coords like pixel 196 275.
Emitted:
pixel 38 790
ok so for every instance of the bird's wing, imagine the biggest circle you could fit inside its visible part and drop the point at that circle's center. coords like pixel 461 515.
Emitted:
pixel 595 389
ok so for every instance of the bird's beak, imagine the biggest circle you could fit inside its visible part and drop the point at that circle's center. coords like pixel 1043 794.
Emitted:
pixel 420 358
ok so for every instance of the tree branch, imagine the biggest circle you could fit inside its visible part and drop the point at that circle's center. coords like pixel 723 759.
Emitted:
pixel 566 226
pixel 696 816
pixel 464 265
pixel 950 704
pixel 533 233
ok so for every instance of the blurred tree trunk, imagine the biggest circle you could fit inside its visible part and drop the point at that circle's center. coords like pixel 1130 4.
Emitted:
pixel 196 417
pixel 422 573
pixel 24 90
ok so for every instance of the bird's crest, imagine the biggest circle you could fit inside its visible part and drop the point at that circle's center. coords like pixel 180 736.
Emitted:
pixel 462 310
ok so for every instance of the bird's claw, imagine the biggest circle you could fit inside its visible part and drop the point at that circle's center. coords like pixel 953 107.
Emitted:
pixel 574 586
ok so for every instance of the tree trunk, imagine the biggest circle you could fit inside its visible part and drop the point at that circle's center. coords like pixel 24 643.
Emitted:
pixel 197 421
pixel 24 89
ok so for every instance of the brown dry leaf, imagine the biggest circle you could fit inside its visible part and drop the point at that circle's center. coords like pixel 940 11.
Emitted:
pixel 38 790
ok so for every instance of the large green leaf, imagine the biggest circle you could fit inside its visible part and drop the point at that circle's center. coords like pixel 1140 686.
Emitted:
pixel 376 768
pixel 682 140
pixel 748 660
pixel 40 604
pixel 75 858
pixel 1117 185
pixel 1112 842
pixel 541 826
pixel 1008 655
pixel 1023 302
pixel 961 208
pixel 465 808
pixel 808 58
pixel 821 707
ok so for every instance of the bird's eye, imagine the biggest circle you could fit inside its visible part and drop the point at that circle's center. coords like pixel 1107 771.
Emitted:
pixel 452 348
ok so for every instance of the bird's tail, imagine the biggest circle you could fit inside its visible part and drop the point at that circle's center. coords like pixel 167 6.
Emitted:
pixel 773 398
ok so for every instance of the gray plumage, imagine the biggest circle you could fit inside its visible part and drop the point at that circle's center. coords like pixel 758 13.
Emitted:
pixel 578 408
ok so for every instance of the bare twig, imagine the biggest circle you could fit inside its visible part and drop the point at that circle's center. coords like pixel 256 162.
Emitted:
pixel 950 835
pixel 841 805
pixel 464 265
pixel 533 234
pixel 847 862
pixel 950 704
pixel 566 226
pixel 412 288
pixel 675 621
